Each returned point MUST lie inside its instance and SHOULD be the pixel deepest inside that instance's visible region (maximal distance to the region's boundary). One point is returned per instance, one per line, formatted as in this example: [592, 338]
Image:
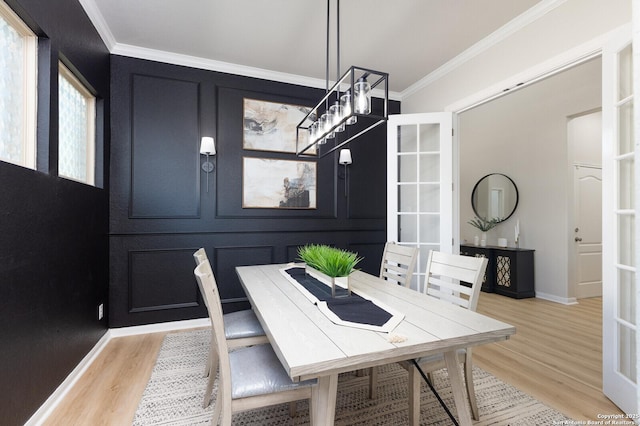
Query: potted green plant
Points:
[484, 225]
[329, 264]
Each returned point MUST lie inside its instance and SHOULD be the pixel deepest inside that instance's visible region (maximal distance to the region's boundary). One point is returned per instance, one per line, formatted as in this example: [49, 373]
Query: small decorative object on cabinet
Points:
[509, 271]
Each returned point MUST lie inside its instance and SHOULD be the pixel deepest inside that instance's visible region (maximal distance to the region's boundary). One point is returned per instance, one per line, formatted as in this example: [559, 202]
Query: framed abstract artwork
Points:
[278, 184]
[271, 126]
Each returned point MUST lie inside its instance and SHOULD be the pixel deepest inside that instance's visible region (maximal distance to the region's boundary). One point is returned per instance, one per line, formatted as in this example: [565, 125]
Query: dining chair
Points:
[397, 266]
[249, 377]
[455, 279]
[398, 263]
[241, 328]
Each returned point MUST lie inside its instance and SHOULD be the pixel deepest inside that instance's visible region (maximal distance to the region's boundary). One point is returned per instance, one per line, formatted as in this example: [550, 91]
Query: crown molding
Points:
[94, 14]
[225, 67]
[504, 32]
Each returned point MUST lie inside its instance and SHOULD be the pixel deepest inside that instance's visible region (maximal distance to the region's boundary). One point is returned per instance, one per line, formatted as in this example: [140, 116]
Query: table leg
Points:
[414, 394]
[457, 388]
[323, 401]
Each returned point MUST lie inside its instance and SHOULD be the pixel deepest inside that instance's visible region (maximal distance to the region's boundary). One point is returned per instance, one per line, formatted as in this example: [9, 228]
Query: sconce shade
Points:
[345, 156]
[207, 146]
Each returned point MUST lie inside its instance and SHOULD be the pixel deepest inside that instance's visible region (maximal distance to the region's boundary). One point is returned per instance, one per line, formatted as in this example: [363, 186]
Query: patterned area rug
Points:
[175, 392]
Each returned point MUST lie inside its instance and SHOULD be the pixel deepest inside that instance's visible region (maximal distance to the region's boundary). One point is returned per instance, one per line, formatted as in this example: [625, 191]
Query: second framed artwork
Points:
[278, 184]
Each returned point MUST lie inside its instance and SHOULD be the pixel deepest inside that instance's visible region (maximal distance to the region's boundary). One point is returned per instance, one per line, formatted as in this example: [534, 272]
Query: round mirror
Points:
[495, 196]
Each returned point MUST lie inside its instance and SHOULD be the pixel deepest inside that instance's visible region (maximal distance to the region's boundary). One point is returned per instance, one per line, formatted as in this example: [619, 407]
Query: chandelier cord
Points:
[338, 44]
[327, 64]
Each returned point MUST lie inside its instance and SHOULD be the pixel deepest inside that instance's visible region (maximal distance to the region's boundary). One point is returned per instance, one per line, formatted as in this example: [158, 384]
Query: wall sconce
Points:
[345, 159]
[207, 147]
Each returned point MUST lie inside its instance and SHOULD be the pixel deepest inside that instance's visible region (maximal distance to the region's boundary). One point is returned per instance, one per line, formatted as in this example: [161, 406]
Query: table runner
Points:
[353, 311]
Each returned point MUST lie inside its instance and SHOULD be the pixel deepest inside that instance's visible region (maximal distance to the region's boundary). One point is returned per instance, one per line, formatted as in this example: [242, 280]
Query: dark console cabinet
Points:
[509, 270]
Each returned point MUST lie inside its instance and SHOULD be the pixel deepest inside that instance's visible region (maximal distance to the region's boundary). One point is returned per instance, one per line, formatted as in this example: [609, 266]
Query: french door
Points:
[420, 184]
[618, 216]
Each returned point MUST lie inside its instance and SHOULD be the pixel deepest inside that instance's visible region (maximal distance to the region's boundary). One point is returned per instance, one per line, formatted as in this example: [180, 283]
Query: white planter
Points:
[336, 283]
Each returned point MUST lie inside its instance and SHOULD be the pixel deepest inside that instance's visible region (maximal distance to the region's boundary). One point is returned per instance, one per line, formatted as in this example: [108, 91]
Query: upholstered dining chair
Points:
[241, 328]
[398, 263]
[397, 266]
[249, 377]
[445, 277]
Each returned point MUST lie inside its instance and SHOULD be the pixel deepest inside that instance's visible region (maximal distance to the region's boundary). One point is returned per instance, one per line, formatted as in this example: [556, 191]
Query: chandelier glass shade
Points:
[348, 102]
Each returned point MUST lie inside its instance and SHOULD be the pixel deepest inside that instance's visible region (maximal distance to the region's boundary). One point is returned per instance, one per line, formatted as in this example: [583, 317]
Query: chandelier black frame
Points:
[348, 102]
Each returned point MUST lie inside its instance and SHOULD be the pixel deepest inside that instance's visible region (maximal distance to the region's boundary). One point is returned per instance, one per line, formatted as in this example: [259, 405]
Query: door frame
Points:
[557, 64]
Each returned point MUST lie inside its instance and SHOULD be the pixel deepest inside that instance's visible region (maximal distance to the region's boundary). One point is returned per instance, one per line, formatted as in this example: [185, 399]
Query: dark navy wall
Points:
[66, 247]
[160, 209]
[53, 232]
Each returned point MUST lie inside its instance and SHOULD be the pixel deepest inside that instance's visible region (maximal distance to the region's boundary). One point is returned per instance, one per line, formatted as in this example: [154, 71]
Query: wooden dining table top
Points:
[309, 345]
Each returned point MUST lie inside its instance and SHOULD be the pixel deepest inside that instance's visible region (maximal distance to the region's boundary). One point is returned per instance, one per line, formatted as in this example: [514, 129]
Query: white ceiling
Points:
[409, 39]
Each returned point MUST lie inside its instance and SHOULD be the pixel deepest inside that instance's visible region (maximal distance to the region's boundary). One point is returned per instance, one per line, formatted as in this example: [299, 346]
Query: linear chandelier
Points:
[345, 112]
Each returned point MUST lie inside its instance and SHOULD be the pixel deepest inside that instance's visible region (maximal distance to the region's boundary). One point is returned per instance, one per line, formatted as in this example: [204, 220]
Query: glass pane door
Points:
[419, 167]
[619, 233]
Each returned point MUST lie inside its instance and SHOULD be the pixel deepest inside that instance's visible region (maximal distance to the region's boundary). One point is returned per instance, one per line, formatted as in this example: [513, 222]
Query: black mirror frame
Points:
[473, 206]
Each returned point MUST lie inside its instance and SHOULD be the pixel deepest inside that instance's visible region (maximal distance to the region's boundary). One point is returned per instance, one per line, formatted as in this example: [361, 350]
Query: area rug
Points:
[176, 388]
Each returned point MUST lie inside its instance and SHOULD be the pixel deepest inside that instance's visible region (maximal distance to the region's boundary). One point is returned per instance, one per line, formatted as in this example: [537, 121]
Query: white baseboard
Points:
[39, 417]
[554, 298]
[54, 399]
[160, 327]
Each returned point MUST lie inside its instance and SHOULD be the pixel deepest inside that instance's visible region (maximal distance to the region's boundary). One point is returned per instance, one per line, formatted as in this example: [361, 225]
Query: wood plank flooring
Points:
[555, 356]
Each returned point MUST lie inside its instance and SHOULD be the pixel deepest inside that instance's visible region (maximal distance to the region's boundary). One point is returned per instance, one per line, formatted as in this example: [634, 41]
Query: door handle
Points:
[578, 239]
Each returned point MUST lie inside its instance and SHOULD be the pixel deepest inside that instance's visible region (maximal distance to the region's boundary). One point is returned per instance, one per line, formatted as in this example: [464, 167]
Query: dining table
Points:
[310, 345]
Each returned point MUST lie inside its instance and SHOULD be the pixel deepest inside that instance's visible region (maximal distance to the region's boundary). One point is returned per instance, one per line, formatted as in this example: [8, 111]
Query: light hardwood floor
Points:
[555, 356]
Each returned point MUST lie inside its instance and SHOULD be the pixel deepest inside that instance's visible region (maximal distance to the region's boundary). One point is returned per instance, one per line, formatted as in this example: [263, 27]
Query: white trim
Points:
[226, 67]
[557, 299]
[45, 410]
[558, 63]
[516, 24]
[94, 14]
[58, 395]
[159, 327]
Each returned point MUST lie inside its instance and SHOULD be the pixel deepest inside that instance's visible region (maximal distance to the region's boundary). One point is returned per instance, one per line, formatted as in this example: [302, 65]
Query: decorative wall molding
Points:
[99, 22]
[156, 280]
[196, 62]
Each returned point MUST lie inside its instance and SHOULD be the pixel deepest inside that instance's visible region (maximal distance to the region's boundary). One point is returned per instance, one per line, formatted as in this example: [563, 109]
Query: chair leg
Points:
[414, 394]
[207, 366]
[217, 410]
[373, 382]
[292, 408]
[468, 378]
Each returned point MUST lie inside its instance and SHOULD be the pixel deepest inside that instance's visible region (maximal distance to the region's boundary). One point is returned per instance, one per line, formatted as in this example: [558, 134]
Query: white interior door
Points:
[619, 326]
[420, 184]
[588, 231]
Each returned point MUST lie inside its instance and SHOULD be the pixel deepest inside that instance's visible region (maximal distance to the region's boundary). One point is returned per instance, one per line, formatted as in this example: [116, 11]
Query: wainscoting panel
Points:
[161, 212]
[165, 145]
[161, 280]
[224, 265]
